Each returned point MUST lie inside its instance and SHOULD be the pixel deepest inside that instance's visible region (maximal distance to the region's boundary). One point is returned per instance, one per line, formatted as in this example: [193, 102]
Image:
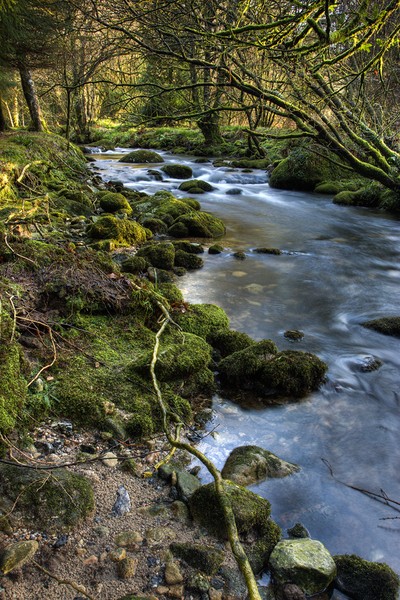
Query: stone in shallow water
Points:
[15, 555]
[248, 464]
[304, 562]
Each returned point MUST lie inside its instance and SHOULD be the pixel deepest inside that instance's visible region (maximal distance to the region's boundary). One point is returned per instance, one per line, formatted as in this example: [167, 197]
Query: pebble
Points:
[92, 560]
[122, 505]
[117, 555]
[128, 539]
[127, 568]
[173, 574]
[110, 459]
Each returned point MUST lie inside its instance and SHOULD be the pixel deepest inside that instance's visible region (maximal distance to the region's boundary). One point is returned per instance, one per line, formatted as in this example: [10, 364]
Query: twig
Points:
[76, 586]
[14, 319]
[16, 253]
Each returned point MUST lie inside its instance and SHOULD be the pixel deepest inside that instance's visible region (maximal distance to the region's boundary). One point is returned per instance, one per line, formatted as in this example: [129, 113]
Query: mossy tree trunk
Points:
[3, 122]
[209, 127]
[30, 95]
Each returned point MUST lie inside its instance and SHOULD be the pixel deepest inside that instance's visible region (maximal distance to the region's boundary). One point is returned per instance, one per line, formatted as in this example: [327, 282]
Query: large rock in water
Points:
[248, 464]
[365, 580]
[304, 562]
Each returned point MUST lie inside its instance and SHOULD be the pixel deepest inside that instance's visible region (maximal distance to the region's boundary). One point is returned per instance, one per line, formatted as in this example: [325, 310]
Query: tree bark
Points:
[3, 122]
[209, 127]
[30, 95]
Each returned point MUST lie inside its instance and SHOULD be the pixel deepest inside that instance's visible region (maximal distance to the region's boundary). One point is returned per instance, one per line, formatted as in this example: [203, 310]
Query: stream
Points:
[340, 266]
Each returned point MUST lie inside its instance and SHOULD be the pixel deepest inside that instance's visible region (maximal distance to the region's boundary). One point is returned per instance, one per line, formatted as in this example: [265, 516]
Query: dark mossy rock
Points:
[156, 175]
[385, 325]
[228, 341]
[14, 556]
[123, 232]
[267, 372]
[370, 196]
[156, 226]
[178, 171]
[135, 264]
[203, 320]
[160, 205]
[158, 276]
[199, 556]
[196, 186]
[303, 169]
[364, 580]
[197, 224]
[267, 251]
[249, 464]
[189, 247]
[161, 255]
[298, 531]
[233, 192]
[142, 156]
[215, 249]
[13, 386]
[249, 163]
[54, 501]
[192, 202]
[252, 515]
[294, 335]
[171, 292]
[187, 260]
[334, 187]
[239, 255]
[114, 202]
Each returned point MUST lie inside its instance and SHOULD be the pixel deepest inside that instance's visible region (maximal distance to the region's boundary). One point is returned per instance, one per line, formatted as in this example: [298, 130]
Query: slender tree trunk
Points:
[28, 88]
[3, 122]
[15, 112]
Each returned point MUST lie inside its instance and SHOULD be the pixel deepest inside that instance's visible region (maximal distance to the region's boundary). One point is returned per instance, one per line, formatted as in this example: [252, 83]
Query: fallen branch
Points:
[16, 253]
[76, 586]
[230, 523]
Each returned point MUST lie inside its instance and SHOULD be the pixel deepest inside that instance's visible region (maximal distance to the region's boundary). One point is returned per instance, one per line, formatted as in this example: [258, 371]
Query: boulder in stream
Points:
[178, 171]
[142, 156]
[248, 464]
[364, 580]
[385, 325]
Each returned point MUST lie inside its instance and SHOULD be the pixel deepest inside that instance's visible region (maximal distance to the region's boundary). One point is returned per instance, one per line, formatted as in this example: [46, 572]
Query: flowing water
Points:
[339, 267]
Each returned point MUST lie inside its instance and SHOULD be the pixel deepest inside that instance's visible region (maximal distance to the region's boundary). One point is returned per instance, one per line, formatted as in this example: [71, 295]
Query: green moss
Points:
[113, 202]
[385, 325]
[187, 260]
[161, 255]
[245, 163]
[177, 171]
[189, 247]
[171, 292]
[215, 249]
[228, 341]
[197, 224]
[123, 231]
[160, 205]
[142, 156]
[199, 556]
[263, 250]
[53, 500]
[364, 580]
[192, 202]
[196, 186]
[135, 264]
[156, 226]
[203, 320]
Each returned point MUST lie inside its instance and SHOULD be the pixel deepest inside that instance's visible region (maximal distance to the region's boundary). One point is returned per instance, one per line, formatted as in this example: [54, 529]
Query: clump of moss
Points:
[56, 500]
[215, 249]
[196, 186]
[263, 250]
[156, 226]
[178, 171]
[123, 232]
[203, 320]
[187, 260]
[135, 264]
[228, 341]
[261, 368]
[13, 386]
[161, 256]
[385, 325]
[364, 580]
[188, 247]
[114, 202]
[197, 224]
[171, 292]
[163, 205]
[142, 156]
[206, 558]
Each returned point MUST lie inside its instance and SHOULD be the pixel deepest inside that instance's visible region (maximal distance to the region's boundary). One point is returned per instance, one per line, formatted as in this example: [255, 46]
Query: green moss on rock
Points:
[142, 156]
[385, 325]
[199, 556]
[365, 580]
[187, 260]
[135, 264]
[161, 255]
[163, 205]
[228, 341]
[56, 500]
[171, 292]
[177, 171]
[196, 186]
[203, 320]
[114, 202]
[189, 247]
[123, 232]
[197, 224]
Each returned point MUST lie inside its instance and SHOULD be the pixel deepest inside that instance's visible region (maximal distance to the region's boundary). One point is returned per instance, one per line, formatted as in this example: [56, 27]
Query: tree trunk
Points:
[82, 117]
[209, 127]
[28, 88]
[3, 123]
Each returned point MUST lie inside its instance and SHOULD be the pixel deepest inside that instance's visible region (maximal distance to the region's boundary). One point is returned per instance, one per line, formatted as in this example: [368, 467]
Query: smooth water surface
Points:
[339, 267]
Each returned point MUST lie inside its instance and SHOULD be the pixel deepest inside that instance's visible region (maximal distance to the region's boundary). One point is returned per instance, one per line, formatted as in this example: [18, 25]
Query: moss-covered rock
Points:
[14, 556]
[135, 264]
[161, 205]
[196, 186]
[171, 292]
[156, 226]
[199, 556]
[248, 464]
[114, 202]
[203, 320]
[385, 325]
[228, 341]
[122, 232]
[178, 171]
[303, 169]
[187, 260]
[365, 580]
[266, 371]
[197, 224]
[252, 515]
[215, 249]
[53, 500]
[13, 386]
[304, 562]
[142, 156]
[189, 247]
[161, 255]
[372, 195]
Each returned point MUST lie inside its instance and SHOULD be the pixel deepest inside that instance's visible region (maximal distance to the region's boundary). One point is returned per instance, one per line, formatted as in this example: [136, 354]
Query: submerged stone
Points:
[304, 562]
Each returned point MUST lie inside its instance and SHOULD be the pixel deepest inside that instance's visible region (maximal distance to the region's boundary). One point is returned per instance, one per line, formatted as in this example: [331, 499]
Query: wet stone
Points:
[122, 504]
[127, 568]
